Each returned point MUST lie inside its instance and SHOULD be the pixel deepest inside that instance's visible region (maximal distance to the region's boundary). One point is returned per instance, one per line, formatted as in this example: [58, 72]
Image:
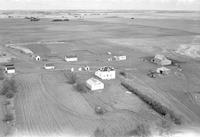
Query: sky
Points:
[100, 4]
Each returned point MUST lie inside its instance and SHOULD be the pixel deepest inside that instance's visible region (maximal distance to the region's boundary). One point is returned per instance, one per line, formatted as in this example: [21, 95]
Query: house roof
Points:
[106, 68]
[49, 64]
[10, 68]
[71, 56]
[9, 65]
[94, 81]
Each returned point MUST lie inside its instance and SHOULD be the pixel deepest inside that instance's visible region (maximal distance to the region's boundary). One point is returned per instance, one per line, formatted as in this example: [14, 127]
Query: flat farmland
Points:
[48, 106]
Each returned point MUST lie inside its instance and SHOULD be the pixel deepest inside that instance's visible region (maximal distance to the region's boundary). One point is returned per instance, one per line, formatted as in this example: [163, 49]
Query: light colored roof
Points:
[94, 81]
[159, 56]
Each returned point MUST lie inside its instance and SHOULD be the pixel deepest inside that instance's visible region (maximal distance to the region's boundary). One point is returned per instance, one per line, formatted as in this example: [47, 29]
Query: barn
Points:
[161, 60]
[94, 84]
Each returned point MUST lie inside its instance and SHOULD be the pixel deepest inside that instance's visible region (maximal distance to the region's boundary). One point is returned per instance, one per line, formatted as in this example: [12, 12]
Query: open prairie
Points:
[46, 105]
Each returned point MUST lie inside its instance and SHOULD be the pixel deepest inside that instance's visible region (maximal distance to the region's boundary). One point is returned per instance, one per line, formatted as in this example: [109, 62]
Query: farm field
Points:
[47, 105]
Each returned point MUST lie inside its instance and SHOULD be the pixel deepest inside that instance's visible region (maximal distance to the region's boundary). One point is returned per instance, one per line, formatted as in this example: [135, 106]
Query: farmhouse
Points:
[94, 84]
[105, 73]
[9, 68]
[71, 58]
[161, 60]
[163, 70]
[49, 66]
[119, 58]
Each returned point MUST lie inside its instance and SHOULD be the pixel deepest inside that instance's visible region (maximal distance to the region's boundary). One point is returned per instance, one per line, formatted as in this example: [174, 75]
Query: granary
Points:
[71, 58]
[94, 84]
[161, 60]
[119, 58]
[106, 73]
[49, 66]
[163, 70]
[9, 68]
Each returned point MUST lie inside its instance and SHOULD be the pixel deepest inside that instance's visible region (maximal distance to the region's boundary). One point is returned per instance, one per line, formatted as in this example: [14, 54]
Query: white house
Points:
[49, 66]
[37, 58]
[106, 73]
[163, 70]
[119, 58]
[10, 70]
[94, 84]
[161, 60]
[71, 58]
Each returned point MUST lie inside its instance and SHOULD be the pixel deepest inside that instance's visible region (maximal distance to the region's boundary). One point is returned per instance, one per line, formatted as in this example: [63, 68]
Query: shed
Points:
[71, 58]
[10, 69]
[49, 66]
[120, 57]
[163, 70]
[37, 58]
[94, 84]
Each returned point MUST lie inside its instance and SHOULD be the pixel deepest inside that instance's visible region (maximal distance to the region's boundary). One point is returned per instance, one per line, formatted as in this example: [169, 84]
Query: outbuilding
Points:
[163, 70]
[119, 58]
[161, 60]
[37, 58]
[106, 73]
[94, 84]
[10, 70]
[49, 66]
[71, 58]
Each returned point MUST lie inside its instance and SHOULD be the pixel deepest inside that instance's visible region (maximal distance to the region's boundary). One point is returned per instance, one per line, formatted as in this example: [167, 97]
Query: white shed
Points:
[94, 84]
[119, 58]
[106, 73]
[37, 58]
[71, 58]
[10, 70]
[163, 70]
[49, 66]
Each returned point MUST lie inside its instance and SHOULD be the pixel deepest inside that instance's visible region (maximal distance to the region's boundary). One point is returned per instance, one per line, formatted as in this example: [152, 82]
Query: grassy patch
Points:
[156, 106]
[9, 88]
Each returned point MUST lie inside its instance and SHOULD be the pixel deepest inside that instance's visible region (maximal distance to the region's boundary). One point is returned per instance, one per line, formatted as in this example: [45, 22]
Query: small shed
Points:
[86, 68]
[10, 70]
[49, 66]
[94, 84]
[120, 57]
[37, 58]
[163, 70]
[71, 58]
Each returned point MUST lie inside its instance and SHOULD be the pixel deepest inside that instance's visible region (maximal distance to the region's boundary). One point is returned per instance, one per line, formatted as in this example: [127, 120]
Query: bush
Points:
[141, 131]
[9, 88]
[9, 94]
[72, 78]
[8, 118]
[156, 106]
[81, 87]
[99, 133]
[124, 74]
